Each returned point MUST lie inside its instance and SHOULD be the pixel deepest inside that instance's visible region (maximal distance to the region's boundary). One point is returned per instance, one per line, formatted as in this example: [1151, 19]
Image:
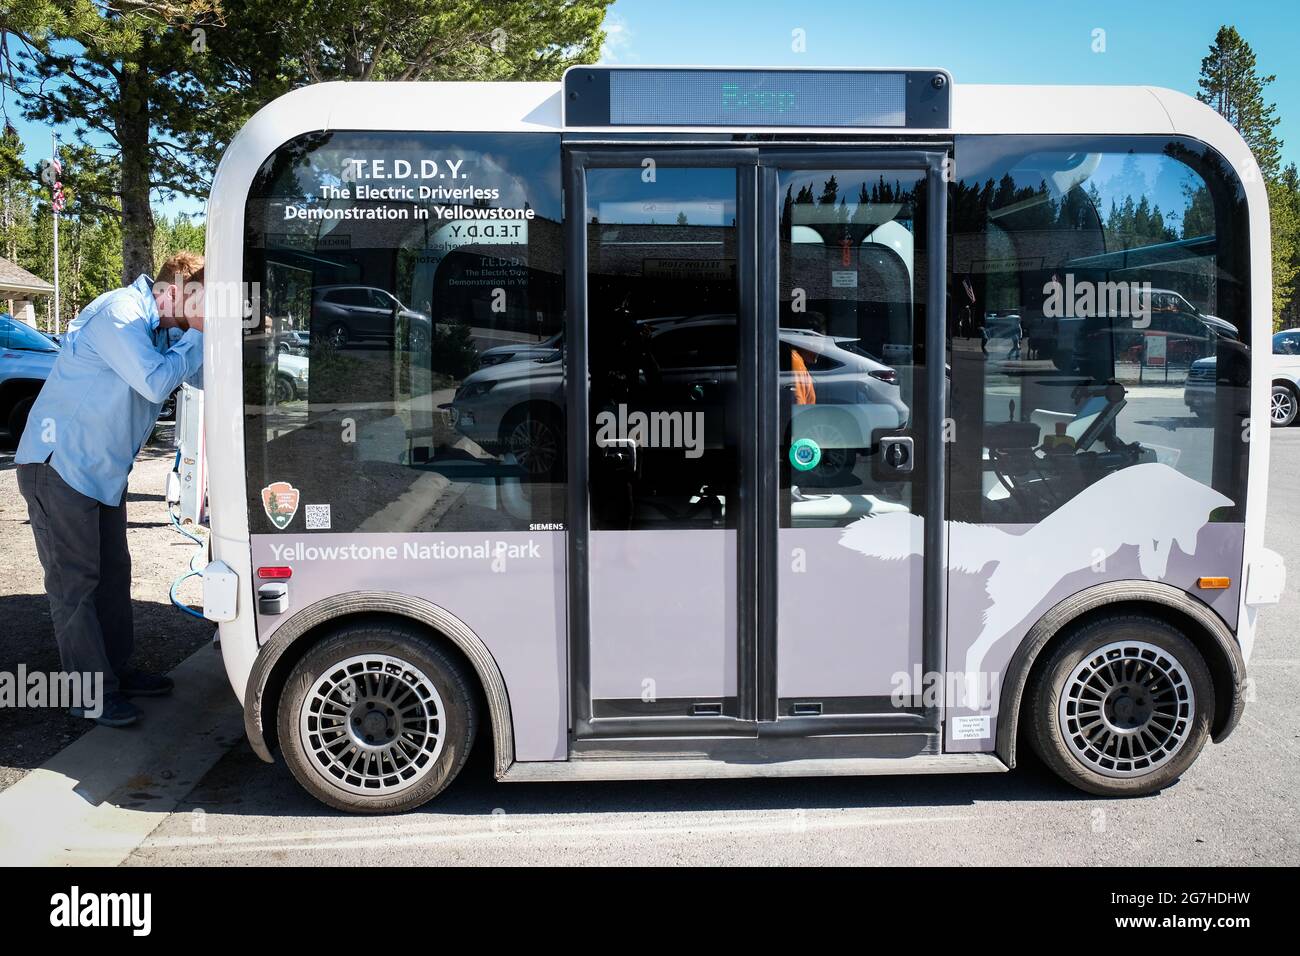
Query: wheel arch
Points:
[315, 622]
[515, 413]
[1202, 626]
[1287, 382]
[13, 390]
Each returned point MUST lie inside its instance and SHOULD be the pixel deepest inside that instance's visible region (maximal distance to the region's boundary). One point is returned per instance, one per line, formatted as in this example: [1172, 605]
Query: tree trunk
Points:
[133, 136]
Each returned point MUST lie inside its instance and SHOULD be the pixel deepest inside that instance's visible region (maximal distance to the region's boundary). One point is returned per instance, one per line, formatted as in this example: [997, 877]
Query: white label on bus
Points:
[971, 728]
[844, 280]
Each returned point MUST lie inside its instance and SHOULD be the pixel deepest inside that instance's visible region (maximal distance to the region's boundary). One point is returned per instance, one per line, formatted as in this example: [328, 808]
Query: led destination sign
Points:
[869, 99]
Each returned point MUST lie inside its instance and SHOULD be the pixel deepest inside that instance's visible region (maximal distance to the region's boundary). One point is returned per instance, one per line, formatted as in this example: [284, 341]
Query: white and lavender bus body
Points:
[705, 422]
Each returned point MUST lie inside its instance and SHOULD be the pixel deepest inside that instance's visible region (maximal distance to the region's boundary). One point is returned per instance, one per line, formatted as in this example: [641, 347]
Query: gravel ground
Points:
[164, 636]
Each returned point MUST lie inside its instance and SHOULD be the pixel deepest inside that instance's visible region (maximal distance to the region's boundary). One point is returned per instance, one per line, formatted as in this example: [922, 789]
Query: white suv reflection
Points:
[517, 405]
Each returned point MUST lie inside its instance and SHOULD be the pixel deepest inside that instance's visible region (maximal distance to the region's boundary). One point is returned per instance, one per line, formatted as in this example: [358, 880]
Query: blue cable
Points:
[193, 571]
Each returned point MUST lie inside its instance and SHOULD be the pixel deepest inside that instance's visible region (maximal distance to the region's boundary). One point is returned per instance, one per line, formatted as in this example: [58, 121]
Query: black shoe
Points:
[116, 712]
[138, 683]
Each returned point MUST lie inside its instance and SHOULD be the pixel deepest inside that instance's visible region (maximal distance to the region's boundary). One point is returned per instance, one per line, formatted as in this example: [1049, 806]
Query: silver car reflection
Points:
[516, 406]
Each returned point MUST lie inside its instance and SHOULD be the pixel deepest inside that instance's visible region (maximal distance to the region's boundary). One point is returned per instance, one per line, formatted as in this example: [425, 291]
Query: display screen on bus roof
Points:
[871, 99]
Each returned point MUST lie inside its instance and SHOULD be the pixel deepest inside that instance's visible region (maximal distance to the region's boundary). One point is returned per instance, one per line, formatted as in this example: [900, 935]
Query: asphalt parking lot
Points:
[1236, 806]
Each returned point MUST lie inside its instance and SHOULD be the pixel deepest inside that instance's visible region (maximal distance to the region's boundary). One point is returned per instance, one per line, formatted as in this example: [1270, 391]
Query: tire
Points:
[17, 419]
[435, 689]
[1140, 655]
[1282, 406]
[337, 335]
[285, 391]
[833, 435]
[418, 339]
[534, 434]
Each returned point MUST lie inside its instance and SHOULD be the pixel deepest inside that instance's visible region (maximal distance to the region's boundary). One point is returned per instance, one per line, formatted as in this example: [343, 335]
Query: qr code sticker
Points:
[318, 517]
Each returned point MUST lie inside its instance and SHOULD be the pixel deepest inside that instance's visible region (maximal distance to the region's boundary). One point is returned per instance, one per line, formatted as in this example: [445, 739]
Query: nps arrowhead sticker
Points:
[280, 499]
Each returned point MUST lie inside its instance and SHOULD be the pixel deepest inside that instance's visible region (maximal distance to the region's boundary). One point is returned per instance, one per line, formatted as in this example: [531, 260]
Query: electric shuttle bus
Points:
[706, 422]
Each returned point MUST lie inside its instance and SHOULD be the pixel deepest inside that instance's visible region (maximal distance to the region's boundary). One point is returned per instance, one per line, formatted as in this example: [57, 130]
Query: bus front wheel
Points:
[376, 718]
[1122, 706]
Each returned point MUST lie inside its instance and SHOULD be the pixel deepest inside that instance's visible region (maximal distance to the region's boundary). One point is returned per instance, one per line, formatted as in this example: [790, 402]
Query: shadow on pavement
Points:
[241, 784]
[29, 736]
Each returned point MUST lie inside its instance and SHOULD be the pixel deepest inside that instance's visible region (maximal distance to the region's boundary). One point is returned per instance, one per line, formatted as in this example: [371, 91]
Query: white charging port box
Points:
[220, 592]
[1265, 578]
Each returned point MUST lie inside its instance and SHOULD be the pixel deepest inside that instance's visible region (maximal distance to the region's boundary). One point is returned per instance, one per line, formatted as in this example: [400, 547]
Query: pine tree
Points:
[1229, 83]
[17, 192]
[1284, 210]
[124, 75]
[168, 82]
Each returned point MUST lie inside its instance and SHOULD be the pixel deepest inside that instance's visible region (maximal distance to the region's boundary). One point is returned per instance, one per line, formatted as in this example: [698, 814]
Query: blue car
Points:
[26, 357]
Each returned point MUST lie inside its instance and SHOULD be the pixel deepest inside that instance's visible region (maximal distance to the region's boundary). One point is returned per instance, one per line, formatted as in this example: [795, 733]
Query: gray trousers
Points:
[82, 546]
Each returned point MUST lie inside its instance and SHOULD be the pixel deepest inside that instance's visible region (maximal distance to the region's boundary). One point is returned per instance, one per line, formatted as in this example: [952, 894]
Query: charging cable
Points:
[201, 545]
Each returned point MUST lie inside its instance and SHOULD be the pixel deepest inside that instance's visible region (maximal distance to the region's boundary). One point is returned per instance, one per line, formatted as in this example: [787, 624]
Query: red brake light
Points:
[276, 573]
[887, 375]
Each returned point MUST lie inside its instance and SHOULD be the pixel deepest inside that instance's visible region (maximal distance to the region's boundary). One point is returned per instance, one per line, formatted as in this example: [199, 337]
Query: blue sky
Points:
[995, 41]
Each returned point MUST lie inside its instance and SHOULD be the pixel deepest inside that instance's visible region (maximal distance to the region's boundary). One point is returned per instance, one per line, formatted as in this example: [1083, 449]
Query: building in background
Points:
[18, 290]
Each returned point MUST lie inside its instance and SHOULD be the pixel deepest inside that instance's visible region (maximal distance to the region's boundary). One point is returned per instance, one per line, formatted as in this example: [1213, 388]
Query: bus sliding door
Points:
[662, 325]
[851, 395]
[756, 530]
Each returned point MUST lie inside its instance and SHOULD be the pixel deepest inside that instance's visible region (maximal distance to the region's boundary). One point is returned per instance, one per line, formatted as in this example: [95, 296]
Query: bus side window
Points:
[407, 358]
[1123, 286]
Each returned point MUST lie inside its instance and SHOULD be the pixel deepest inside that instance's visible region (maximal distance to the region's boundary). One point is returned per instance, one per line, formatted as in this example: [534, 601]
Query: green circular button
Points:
[805, 454]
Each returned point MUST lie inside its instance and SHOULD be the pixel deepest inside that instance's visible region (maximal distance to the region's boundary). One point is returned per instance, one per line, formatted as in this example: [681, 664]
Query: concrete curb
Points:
[96, 800]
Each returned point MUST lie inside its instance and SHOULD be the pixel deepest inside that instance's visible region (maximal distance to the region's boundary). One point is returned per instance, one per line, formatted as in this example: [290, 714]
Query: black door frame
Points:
[931, 446]
[578, 377]
[757, 222]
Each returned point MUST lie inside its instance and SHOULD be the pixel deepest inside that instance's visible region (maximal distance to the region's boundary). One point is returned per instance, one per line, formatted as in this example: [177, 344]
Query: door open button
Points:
[896, 452]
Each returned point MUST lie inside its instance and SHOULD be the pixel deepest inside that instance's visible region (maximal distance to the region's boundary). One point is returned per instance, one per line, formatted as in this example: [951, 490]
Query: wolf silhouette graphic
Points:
[1149, 506]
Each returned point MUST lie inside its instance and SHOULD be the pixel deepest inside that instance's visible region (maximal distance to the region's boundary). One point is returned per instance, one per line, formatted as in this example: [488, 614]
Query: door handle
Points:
[621, 455]
[897, 454]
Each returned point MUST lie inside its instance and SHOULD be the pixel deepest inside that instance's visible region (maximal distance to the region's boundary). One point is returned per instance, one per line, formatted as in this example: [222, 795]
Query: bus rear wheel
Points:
[376, 718]
[1122, 706]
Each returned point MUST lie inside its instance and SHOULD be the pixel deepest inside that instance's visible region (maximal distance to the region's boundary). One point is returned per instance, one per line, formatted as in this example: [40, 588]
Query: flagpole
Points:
[54, 155]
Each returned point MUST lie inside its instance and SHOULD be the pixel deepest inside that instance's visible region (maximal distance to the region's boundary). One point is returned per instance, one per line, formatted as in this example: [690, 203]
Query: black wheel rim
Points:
[1127, 709]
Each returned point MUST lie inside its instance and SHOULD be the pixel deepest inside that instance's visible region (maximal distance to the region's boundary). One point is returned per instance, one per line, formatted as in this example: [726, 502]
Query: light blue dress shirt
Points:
[99, 405]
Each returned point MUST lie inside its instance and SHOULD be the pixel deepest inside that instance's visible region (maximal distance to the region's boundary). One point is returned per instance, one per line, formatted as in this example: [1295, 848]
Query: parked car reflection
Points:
[350, 314]
[524, 350]
[291, 378]
[516, 405]
[293, 341]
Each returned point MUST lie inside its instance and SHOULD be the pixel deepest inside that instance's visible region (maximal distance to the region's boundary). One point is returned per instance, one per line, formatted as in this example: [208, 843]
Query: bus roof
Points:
[536, 107]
